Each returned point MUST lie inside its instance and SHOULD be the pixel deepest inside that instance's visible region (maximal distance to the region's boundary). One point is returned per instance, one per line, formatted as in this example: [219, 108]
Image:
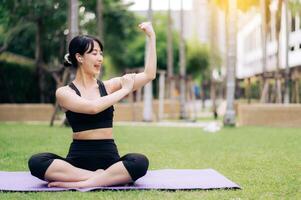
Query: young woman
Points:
[93, 158]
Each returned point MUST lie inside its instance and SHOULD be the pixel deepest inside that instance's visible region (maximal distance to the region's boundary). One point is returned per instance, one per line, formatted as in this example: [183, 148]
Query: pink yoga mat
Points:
[166, 179]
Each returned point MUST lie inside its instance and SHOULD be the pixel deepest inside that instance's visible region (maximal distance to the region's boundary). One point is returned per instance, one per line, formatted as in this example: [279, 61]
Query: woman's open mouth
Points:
[97, 67]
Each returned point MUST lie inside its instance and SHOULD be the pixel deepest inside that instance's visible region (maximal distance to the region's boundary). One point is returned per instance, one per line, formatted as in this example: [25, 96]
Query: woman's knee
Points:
[39, 163]
[136, 164]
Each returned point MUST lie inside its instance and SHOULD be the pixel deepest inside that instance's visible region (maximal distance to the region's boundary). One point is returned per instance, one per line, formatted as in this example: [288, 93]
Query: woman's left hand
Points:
[147, 28]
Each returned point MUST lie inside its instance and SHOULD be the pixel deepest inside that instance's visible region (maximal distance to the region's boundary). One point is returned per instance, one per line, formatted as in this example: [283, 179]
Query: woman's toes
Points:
[53, 184]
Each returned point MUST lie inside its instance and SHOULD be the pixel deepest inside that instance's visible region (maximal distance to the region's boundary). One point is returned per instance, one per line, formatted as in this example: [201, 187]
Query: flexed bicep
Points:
[141, 79]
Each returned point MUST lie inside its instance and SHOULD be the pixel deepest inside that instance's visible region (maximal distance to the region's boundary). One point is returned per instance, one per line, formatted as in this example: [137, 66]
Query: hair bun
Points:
[67, 62]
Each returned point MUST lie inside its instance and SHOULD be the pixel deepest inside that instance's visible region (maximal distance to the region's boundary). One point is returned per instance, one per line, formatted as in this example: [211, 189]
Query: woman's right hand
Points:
[127, 82]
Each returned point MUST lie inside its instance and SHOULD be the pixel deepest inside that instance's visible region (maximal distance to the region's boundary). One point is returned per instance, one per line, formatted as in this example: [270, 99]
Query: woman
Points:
[93, 158]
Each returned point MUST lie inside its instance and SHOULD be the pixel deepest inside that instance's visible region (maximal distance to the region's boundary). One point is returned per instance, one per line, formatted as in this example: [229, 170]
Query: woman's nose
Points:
[100, 58]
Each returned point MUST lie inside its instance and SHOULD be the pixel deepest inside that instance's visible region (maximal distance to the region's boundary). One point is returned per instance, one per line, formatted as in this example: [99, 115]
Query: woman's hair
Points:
[80, 44]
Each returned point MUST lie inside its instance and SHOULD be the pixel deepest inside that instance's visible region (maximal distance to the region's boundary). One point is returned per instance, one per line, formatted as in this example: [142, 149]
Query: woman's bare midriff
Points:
[95, 134]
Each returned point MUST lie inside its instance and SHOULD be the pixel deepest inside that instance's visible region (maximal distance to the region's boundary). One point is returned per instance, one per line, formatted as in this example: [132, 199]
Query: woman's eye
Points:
[95, 53]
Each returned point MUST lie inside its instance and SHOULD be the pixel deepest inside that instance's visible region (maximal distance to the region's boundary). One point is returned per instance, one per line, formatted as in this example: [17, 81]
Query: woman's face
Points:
[92, 62]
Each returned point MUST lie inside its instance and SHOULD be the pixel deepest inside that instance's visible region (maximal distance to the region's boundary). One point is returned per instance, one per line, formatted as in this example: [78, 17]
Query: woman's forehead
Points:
[96, 46]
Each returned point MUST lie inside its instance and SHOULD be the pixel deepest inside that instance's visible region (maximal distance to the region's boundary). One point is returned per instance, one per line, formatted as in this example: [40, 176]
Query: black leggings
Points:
[91, 155]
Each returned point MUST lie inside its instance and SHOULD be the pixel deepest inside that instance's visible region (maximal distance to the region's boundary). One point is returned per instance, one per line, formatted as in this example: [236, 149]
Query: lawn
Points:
[265, 162]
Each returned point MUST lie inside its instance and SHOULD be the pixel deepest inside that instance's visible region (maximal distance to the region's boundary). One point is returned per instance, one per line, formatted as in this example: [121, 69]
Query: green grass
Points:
[265, 162]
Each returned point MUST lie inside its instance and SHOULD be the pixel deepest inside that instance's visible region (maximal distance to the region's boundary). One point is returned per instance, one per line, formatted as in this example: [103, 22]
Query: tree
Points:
[119, 30]
[198, 64]
[287, 69]
[37, 16]
[99, 14]
[229, 118]
[263, 6]
[293, 6]
[170, 63]
[135, 49]
[214, 64]
[182, 65]
[72, 27]
[148, 94]
[230, 7]
[197, 60]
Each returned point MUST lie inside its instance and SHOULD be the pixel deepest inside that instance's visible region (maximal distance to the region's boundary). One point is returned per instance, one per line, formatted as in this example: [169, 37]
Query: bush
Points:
[19, 84]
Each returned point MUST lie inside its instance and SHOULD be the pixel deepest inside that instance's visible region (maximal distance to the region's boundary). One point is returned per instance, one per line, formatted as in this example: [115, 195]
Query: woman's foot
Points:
[74, 184]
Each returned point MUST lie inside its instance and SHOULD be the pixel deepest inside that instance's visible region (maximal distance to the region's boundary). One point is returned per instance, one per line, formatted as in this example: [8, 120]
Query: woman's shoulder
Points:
[63, 91]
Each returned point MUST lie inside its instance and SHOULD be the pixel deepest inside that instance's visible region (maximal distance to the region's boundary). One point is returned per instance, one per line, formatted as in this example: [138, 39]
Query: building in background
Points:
[249, 52]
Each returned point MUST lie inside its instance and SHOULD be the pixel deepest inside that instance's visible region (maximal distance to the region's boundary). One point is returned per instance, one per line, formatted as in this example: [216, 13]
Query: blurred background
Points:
[235, 61]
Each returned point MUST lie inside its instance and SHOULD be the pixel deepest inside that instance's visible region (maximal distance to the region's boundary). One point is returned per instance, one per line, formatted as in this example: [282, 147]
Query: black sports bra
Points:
[82, 122]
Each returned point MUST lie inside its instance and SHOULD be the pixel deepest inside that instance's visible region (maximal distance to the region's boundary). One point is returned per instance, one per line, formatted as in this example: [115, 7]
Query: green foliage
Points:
[255, 90]
[123, 41]
[198, 60]
[120, 29]
[135, 52]
[16, 59]
[24, 39]
[136, 48]
[160, 25]
[295, 7]
[18, 84]
[3, 24]
[50, 15]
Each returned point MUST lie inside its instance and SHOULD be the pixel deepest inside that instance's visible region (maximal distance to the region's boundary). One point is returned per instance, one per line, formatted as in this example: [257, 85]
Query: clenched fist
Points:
[147, 28]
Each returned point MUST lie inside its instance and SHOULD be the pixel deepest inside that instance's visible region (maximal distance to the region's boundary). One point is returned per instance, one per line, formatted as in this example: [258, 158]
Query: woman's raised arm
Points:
[150, 68]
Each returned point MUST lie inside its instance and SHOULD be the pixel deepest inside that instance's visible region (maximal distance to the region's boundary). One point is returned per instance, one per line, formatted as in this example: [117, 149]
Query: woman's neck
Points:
[86, 80]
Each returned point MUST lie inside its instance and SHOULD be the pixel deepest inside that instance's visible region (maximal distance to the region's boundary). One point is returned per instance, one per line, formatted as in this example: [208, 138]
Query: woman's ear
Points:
[78, 57]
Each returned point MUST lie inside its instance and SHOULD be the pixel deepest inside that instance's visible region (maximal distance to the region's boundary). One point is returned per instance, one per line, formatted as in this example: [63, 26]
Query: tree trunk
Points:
[297, 91]
[248, 90]
[38, 62]
[99, 14]
[161, 95]
[277, 74]
[100, 28]
[213, 97]
[148, 88]
[264, 49]
[171, 82]
[203, 94]
[73, 31]
[60, 81]
[73, 27]
[229, 118]
[287, 69]
[73, 20]
[265, 91]
[213, 47]
[182, 66]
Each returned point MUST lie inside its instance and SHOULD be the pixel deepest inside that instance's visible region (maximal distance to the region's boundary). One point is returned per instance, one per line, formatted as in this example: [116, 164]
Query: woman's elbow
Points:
[152, 77]
[92, 109]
